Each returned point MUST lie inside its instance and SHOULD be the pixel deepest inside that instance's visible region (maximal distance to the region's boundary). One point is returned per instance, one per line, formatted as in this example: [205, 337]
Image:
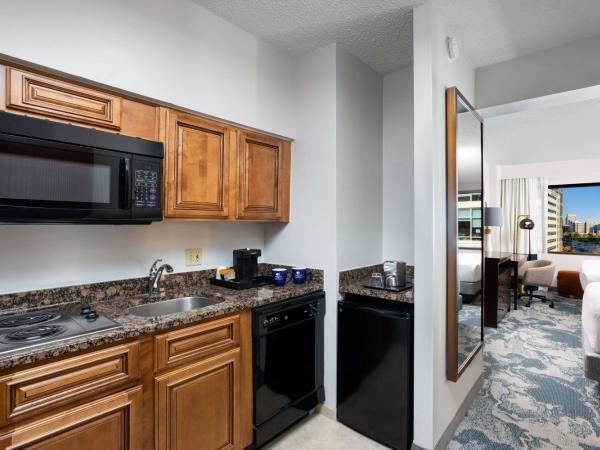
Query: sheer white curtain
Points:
[524, 196]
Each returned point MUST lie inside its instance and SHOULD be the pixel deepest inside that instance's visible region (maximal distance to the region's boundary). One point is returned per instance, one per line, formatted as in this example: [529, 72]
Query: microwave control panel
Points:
[146, 185]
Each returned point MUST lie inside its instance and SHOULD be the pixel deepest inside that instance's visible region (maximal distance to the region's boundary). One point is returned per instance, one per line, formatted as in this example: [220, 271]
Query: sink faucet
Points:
[155, 274]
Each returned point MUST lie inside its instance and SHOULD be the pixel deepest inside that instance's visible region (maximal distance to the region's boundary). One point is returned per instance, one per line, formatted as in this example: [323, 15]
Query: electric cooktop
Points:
[31, 329]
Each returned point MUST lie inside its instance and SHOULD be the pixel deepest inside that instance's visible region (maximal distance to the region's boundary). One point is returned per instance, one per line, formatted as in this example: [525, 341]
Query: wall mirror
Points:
[465, 246]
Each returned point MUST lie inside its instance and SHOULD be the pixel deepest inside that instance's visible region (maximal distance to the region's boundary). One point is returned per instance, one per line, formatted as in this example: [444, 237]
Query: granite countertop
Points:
[135, 326]
[351, 282]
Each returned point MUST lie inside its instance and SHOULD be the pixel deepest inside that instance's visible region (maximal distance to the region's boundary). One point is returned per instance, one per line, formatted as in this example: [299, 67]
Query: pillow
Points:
[590, 272]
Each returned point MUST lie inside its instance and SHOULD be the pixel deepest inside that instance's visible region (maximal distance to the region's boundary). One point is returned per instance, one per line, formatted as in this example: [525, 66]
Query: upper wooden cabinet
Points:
[216, 171]
[39, 94]
[212, 169]
[264, 177]
[66, 101]
[198, 154]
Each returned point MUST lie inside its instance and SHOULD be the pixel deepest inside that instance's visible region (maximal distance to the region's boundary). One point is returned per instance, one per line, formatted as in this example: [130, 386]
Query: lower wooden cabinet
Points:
[198, 407]
[112, 423]
[183, 389]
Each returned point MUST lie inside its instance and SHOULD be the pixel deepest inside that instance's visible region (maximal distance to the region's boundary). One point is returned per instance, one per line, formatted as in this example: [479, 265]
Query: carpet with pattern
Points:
[535, 395]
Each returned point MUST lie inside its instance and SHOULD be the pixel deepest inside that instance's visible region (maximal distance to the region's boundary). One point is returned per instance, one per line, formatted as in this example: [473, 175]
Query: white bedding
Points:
[469, 266]
[590, 316]
[590, 272]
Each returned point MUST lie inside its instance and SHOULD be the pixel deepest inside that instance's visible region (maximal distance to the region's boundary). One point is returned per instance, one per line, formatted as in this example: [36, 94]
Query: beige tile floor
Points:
[319, 432]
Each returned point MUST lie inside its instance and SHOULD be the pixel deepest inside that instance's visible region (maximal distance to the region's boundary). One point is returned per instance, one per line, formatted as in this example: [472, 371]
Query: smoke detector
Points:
[452, 48]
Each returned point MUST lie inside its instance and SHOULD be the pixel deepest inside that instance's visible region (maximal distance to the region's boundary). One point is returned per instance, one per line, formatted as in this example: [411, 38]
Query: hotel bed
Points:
[469, 274]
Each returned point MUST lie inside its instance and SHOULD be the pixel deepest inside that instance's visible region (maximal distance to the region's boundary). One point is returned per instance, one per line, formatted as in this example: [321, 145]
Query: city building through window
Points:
[574, 219]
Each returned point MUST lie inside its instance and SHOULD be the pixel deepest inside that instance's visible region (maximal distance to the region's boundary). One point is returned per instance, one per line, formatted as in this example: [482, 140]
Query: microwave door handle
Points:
[125, 184]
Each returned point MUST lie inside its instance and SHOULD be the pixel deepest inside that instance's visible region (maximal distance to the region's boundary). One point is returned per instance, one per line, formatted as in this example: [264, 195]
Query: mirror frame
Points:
[453, 370]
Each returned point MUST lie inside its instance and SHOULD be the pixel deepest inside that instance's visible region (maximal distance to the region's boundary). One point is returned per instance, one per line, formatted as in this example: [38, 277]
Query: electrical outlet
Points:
[193, 256]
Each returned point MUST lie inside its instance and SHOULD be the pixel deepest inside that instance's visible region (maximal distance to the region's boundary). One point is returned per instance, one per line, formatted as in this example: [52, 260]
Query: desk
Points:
[501, 275]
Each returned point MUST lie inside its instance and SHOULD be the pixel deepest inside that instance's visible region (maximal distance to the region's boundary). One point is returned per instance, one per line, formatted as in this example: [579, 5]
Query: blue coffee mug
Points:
[279, 276]
[301, 275]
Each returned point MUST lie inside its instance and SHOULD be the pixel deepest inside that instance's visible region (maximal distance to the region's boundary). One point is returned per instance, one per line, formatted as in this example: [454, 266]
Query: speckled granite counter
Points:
[112, 299]
[351, 282]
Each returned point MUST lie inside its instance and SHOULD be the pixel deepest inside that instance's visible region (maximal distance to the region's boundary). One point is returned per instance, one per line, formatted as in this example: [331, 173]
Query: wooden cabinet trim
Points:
[192, 343]
[127, 404]
[35, 93]
[44, 387]
[166, 409]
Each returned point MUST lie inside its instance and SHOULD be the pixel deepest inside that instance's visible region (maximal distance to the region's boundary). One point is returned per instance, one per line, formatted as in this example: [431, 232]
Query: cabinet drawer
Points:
[199, 341]
[47, 386]
[38, 94]
[113, 422]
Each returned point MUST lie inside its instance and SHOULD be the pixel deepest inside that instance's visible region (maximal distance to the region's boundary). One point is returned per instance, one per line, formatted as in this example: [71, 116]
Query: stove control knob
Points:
[266, 323]
[91, 315]
[85, 310]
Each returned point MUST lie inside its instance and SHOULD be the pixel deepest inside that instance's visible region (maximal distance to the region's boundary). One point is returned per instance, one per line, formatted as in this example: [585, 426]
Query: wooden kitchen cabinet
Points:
[263, 185]
[28, 92]
[198, 155]
[199, 406]
[111, 423]
[216, 171]
[205, 404]
[186, 388]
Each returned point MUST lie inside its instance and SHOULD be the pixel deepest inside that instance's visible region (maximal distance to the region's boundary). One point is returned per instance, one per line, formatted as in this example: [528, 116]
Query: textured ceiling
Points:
[491, 31]
[379, 32]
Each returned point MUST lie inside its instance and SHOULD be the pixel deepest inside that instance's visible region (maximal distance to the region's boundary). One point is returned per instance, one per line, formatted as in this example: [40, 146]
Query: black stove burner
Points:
[34, 333]
[31, 318]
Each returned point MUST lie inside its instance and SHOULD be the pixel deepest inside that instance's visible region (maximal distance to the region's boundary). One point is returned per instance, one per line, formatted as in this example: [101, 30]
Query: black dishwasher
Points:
[288, 363]
[375, 369]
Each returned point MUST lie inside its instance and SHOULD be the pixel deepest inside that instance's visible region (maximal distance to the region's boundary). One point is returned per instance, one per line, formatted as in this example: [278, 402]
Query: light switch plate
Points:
[193, 257]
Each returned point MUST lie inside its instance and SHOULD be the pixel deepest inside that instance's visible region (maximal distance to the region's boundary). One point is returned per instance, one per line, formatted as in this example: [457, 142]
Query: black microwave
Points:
[59, 173]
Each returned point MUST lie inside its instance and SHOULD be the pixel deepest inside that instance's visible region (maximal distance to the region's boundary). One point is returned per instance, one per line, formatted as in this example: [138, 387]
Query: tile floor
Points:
[319, 432]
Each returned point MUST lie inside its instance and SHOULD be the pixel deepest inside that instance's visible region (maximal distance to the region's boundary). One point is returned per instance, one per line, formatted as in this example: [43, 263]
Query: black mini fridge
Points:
[375, 369]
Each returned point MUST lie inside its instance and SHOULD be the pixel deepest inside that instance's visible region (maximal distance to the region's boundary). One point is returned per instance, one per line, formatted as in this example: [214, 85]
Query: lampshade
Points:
[526, 224]
[493, 217]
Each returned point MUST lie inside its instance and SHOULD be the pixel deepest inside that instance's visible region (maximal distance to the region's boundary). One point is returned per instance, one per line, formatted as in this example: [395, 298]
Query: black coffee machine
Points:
[245, 264]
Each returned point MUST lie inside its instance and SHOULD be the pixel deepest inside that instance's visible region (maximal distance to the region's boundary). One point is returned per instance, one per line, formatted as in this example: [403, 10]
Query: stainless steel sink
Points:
[177, 305]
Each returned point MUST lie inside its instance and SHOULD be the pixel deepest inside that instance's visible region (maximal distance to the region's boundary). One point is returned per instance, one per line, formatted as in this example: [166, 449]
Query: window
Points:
[470, 222]
[574, 219]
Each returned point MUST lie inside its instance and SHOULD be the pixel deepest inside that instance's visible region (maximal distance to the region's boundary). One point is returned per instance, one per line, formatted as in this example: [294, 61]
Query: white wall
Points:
[45, 256]
[556, 133]
[174, 51]
[359, 164]
[310, 237]
[572, 66]
[398, 170]
[437, 400]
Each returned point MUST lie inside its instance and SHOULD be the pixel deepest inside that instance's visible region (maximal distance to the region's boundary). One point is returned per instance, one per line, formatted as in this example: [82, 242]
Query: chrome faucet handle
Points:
[154, 267]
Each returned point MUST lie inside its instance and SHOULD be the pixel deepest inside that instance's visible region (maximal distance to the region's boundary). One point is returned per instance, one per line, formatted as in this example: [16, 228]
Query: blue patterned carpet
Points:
[534, 394]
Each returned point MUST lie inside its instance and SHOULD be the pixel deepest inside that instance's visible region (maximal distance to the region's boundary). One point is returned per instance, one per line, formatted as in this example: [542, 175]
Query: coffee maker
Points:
[245, 263]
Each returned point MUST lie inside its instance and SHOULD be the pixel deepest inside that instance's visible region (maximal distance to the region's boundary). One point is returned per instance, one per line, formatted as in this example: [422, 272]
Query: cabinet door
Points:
[197, 165]
[264, 178]
[33, 93]
[112, 423]
[199, 407]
